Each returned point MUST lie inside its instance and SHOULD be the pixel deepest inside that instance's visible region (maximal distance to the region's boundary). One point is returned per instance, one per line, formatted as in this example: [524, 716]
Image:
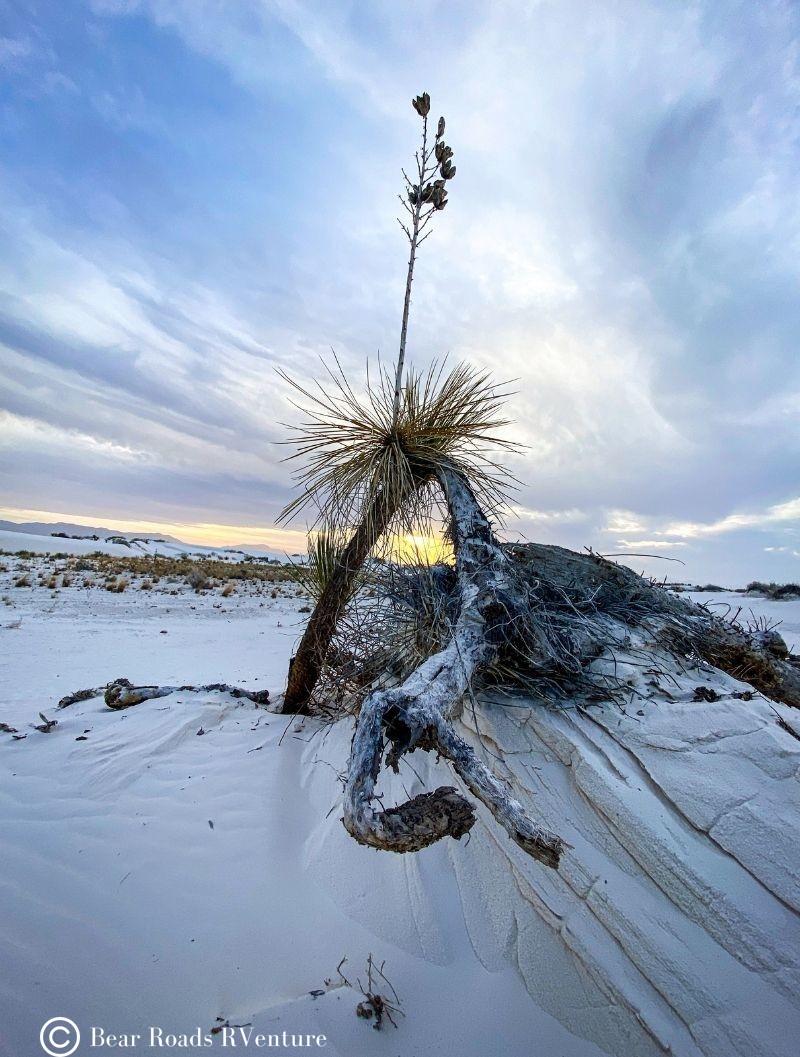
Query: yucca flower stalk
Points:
[367, 460]
[425, 197]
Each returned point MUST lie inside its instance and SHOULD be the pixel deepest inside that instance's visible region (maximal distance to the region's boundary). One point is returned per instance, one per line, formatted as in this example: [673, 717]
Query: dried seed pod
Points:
[440, 128]
[422, 104]
[448, 170]
[427, 192]
[443, 152]
[413, 194]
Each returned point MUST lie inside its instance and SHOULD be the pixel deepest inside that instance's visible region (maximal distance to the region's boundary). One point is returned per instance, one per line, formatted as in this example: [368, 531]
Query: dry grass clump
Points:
[176, 570]
[140, 570]
[117, 585]
[228, 590]
[197, 580]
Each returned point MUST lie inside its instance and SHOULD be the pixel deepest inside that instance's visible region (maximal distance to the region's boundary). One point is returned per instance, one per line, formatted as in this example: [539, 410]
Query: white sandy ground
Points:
[672, 926]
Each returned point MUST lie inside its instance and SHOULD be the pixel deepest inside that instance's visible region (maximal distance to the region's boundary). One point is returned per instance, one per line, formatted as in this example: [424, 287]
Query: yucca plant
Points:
[368, 460]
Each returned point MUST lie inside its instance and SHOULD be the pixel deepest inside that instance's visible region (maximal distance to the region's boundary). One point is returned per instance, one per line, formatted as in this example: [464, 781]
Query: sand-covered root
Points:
[541, 616]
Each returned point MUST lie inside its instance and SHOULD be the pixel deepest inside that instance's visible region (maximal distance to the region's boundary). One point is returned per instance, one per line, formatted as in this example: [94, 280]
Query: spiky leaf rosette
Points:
[325, 549]
[353, 452]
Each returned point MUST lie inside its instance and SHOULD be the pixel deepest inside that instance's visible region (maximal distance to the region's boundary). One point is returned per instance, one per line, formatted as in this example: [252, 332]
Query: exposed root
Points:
[81, 695]
[121, 693]
[762, 661]
[418, 714]
[526, 613]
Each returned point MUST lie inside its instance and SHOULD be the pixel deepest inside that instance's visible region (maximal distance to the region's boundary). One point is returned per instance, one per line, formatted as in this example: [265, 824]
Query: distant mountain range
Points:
[70, 529]
[41, 528]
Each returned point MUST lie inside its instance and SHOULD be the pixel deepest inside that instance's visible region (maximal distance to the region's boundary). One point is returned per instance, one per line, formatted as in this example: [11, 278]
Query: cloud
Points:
[203, 193]
[13, 49]
[657, 544]
[788, 512]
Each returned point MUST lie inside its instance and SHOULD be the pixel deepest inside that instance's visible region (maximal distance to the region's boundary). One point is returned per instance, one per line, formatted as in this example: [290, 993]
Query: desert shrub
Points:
[710, 587]
[52, 583]
[773, 590]
[228, 590]
[785, 590]
[145, 585]
[23, 581]
[197, 580]
[66, 580]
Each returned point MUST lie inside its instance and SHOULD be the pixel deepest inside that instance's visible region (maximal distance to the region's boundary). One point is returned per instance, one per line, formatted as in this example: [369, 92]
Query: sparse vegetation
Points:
[772, 590]
[152, 570]
[197, 580]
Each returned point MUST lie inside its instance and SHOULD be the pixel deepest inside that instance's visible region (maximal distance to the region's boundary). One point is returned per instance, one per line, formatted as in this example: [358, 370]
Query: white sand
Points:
[672, 924]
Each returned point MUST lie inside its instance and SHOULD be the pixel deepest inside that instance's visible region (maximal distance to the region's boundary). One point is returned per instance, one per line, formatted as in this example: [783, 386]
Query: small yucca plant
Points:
[325, 550]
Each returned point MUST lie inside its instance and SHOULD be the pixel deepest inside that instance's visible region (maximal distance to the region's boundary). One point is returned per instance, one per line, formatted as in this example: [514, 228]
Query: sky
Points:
[196, 193]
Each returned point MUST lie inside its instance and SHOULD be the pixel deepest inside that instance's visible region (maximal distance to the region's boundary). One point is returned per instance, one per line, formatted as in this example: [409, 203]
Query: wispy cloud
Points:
[657, 544]
[780, 513]
[193, 193]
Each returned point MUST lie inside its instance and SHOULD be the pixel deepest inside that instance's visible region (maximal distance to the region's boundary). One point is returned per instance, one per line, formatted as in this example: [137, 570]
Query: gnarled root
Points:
[431, 816]
[121, 693]
[419, 713]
